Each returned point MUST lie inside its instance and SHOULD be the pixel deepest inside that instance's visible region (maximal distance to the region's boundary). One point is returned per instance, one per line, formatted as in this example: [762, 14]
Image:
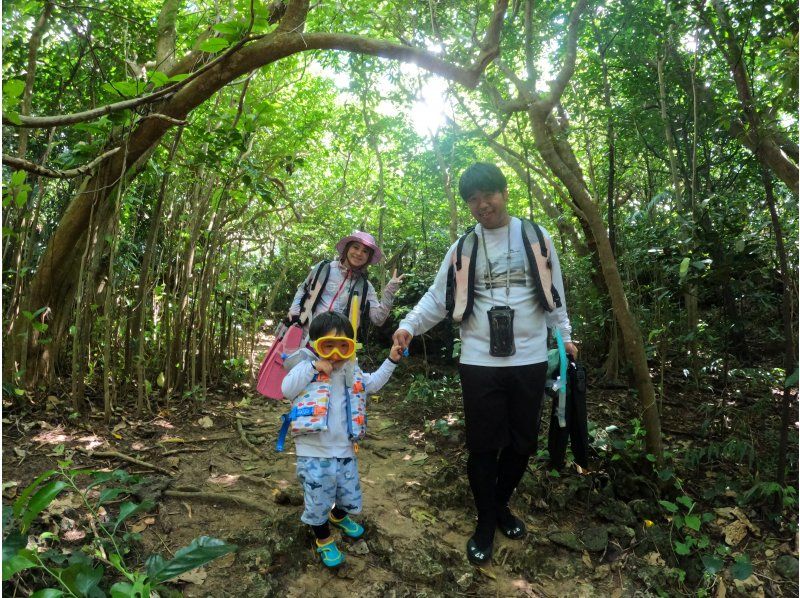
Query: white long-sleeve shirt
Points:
[378, 310]
[334, 441]
[530, 320]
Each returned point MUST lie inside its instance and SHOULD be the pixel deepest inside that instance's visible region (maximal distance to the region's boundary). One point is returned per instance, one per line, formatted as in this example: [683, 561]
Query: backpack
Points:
[315, 284]
[460, 291]
[576, 428]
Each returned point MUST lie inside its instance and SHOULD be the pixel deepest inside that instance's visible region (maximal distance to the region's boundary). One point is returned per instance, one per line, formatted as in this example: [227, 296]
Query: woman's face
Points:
[357, 255]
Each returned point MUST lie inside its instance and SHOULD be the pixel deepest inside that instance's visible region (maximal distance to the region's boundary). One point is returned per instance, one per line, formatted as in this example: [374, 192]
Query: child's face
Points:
[335, 346]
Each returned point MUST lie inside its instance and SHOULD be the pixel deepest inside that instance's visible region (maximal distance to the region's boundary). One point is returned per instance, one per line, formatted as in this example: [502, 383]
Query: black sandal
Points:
[514, 528]
[475, 555]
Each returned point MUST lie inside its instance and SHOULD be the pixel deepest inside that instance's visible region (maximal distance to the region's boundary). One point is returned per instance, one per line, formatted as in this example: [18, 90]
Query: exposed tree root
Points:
[123, 457]
[253, 448]
[222, 497]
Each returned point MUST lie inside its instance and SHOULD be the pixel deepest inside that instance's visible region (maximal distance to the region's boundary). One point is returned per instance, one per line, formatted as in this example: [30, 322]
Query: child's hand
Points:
[323, 366]
[396, 354]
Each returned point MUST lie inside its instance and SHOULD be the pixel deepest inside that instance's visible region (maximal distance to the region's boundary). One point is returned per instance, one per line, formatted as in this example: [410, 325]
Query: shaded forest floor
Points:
[593, 534]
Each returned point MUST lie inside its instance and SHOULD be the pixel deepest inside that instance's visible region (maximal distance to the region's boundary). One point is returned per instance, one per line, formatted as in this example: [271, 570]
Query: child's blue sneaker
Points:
[329, 553]
[349, 528]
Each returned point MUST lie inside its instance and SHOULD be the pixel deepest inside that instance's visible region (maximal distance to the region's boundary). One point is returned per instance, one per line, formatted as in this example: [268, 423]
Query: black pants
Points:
[502, 412]
[503, 406]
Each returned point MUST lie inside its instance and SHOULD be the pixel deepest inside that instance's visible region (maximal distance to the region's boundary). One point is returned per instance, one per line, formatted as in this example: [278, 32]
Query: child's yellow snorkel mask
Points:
[335, 348]
[340, 348]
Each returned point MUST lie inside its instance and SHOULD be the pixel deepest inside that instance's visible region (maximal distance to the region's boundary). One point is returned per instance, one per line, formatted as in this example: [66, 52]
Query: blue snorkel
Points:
[562, 379]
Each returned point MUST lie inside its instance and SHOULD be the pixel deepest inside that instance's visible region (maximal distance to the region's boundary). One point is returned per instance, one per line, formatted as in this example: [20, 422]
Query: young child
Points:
[328, 418]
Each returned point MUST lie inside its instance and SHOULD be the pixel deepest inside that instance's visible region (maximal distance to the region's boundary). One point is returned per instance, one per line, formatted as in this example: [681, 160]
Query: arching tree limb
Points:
[20, 164]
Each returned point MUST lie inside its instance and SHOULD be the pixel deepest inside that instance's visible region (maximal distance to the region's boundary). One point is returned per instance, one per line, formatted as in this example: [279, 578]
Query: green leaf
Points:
[685, 501]
[21, 198]
[742, 568]
[157, 78]
[229, 27]
[214, 45]
[22, 499]
[682, 548]
[650, 457]
[665, 474]
[131, 508]
[39, 502]
[693, 522]
[198, 553]
[47, 593]
[110, 494]
[13, 117]
[126, 88]
[18, 178]
[669, 506]
[13, 88]
[178, 78]
[711, 563]
[21, 560]
[81, 577]
[122, 589]
[684, 268]
[791, 381]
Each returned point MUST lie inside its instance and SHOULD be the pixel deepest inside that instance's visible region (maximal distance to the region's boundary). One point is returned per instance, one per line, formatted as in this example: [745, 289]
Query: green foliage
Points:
[84, 574]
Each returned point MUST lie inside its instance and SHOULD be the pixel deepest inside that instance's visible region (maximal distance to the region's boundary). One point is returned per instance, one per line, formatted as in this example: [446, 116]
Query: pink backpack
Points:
[271, 373]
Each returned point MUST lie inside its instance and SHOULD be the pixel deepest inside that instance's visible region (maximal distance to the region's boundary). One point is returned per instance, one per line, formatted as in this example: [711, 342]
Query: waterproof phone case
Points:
[501, 331]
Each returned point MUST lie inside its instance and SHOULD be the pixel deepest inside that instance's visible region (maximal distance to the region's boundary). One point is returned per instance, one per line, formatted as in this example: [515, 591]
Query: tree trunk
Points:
[144, 278]
[30, 76]
[566, 168]
[789, 344]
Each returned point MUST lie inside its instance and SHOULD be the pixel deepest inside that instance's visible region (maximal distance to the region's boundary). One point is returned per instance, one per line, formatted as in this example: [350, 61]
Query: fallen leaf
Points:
[74, 535]
[487, 572]
[205, 422]
[422, 516]
[735, 532]
[195, 576]
[223, 479]
[142, 524]
[587, 560]
[10, 489]
[20, 453]
[654, 559]
[721, 590]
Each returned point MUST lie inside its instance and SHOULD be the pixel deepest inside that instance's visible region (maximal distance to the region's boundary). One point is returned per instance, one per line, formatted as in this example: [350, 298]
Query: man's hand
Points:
[402, 338]
[323, 366]
[572, 349]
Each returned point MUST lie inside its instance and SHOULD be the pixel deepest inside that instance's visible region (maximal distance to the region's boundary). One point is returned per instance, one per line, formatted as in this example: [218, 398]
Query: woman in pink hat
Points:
[333, 285]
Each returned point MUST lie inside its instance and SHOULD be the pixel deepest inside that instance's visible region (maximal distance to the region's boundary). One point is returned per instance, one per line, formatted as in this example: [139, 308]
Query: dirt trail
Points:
[417, 512]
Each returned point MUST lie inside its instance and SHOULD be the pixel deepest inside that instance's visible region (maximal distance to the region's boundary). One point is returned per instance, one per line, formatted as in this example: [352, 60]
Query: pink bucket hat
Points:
[365, 239]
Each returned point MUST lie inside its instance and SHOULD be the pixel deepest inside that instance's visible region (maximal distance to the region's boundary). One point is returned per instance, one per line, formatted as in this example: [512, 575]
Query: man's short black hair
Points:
[481, 176]
[330, 321]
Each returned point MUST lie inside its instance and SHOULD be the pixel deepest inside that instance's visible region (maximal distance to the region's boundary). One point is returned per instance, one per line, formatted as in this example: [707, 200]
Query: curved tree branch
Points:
[20, 164]
[280, 44]
[568, 68]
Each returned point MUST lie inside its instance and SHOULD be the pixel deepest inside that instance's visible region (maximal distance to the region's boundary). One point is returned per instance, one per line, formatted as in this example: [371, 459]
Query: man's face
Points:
[489, 208]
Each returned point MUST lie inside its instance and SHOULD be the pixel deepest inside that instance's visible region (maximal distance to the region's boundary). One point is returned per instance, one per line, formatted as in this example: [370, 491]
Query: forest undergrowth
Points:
[702, 524]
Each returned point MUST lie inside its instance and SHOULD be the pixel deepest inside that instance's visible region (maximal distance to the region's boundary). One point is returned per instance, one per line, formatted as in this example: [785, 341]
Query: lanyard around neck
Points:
[489, 264]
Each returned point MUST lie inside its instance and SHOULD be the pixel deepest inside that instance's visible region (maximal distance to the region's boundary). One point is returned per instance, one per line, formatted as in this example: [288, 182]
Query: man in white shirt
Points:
[503, 346]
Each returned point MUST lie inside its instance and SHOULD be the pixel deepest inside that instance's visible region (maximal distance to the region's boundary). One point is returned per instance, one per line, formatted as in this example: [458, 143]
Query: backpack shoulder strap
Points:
[460, 292]
[315, 283]
[537, 250]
